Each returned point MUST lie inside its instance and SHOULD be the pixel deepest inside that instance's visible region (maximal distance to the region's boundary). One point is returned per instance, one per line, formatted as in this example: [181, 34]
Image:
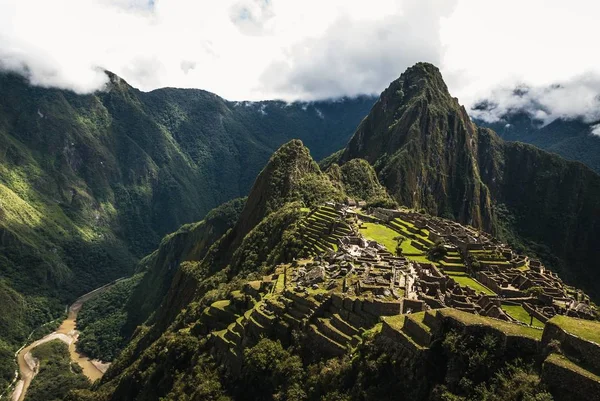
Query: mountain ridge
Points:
[91, 183]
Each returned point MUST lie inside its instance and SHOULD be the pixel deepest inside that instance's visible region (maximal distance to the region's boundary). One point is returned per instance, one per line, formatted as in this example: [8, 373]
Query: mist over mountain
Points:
[573, 139]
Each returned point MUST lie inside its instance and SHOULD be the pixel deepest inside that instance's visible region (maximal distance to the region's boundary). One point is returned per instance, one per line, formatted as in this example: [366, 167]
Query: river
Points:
[67, 333]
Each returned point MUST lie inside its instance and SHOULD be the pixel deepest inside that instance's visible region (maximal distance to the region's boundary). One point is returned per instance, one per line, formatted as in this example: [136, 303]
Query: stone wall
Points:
[585, 351]
[533, 312]
[567, 383]
[412, 304]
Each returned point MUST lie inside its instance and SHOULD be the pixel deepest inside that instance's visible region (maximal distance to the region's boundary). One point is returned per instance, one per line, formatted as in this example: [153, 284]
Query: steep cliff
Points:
[424, 148]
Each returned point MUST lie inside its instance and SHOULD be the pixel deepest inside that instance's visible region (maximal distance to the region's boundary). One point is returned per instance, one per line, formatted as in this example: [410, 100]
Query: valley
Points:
[67, 333]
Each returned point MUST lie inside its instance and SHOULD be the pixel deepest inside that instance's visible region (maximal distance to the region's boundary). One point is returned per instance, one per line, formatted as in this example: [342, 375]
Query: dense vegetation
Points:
[358, 180]
[571, 139]
[90, 184]
[101, 321]
[462, 368]
[57, 375]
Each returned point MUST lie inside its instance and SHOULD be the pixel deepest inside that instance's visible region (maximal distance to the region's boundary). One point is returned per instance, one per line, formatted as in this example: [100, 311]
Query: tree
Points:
[437, 251]
[399, 241]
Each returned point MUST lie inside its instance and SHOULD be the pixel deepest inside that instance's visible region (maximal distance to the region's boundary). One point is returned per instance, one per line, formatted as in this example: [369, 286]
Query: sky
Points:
[315, 49]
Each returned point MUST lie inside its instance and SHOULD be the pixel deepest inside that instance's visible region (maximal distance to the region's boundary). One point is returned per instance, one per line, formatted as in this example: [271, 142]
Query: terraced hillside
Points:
[352, 296]
[322, 229]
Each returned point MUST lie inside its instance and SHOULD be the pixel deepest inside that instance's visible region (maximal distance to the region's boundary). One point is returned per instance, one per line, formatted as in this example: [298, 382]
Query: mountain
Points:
[90, 184]
[279, 296]
[572, 139]
[431, 156]
[423, 146]
[301, 309]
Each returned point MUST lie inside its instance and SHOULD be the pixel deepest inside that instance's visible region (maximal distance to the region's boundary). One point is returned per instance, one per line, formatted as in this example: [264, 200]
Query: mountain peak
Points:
[405, 112]
[418, 133]
[291, 174]
[421, 82]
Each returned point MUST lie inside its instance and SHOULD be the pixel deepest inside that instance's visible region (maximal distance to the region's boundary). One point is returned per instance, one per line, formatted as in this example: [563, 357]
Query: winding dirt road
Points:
[28, 365]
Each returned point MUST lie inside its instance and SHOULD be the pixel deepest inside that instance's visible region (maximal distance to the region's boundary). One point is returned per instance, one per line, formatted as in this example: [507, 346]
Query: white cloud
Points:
[578, 97]
[595, 130]
[494, 46]
[309, 49]
[359, 55]
[240, 49]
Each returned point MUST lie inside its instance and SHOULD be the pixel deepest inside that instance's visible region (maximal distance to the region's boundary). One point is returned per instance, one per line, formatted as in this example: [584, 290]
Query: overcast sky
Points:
[314, 49]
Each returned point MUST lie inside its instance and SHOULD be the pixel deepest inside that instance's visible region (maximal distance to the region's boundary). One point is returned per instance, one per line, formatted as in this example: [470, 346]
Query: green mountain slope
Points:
[429, 155]
[571, 139]
[423, 146]
[90, 184]
[255, 328]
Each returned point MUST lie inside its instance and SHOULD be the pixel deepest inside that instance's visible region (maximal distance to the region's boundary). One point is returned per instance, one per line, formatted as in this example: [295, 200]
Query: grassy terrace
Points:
[517, 312]
[561, 360]
[315, 230]
[396, 322]
[402, 225]
[463, 279]
[586, 329]
[380, 233]
[505, 327]
[385, 236]
[221, 305]
[408, 249]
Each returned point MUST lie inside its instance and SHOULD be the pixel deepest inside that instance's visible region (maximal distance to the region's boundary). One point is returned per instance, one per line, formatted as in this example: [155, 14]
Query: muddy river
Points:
[28, 366]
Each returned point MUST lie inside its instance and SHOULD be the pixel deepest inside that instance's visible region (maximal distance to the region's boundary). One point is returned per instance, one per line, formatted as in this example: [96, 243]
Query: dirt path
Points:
[28, 365]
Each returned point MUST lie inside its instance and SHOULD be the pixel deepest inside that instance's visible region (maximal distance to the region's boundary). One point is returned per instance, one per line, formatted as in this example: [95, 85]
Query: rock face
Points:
[429, 154]
[424, 147]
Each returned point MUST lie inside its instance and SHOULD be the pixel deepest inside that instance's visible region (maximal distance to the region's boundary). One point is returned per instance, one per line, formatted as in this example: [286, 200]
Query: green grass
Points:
[562, 361]
[221, 305]
[458, 274]
[408, 248]
[385, 236]
[506, 327]
[517, 312]
[380, 233]
[395, 322]
[465, 280]
[449, 264]
[420, 259]
[586, 329]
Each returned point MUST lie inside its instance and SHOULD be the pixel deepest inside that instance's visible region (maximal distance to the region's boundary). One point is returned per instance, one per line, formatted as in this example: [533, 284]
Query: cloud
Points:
[578, 97]
[312, 49]
[357, 55]
[240, 49]
[595, 130]
[493, 47]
